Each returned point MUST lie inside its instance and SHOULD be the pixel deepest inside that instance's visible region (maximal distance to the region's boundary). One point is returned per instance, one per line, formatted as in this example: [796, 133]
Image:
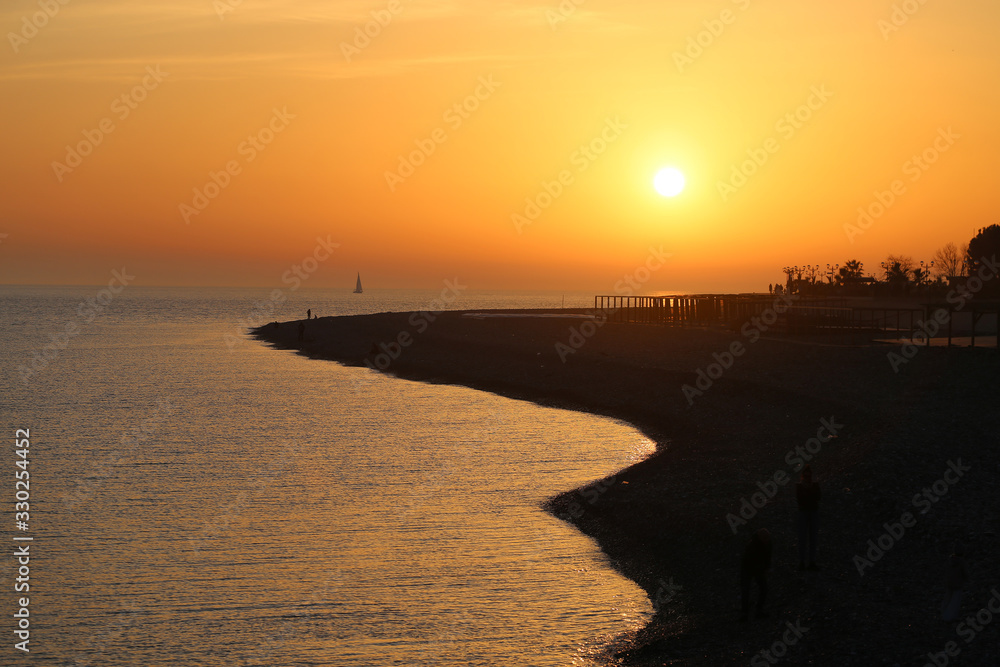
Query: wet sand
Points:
[663, 522]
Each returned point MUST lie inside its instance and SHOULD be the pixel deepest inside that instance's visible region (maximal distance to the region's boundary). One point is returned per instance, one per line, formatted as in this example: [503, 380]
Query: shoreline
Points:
[662, 522]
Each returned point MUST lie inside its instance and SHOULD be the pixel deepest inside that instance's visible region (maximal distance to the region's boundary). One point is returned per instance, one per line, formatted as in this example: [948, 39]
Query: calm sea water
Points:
[198, 498]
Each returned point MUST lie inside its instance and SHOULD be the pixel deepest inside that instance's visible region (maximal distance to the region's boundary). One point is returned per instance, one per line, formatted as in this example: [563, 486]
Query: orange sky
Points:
[200, 78]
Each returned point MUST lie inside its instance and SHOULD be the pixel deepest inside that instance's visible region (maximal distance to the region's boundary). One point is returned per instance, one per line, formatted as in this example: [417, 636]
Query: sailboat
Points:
[358, 290]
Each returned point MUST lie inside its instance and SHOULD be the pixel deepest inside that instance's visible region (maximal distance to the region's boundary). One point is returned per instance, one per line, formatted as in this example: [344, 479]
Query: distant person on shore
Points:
[309, 313]
[754, 566]
[955, 578]
[770, 288]
[302, 330]
[807, 494]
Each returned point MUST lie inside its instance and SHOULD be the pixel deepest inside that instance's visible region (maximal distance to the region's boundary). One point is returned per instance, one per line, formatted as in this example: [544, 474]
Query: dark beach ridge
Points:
[907, 459]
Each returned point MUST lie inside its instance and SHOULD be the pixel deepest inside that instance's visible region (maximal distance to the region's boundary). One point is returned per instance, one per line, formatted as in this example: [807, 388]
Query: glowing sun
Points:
[669, 181]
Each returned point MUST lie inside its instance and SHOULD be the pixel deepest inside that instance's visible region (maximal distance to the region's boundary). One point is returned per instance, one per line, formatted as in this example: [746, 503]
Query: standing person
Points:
[754, 566]
[309, 313]
[956, 576]
[807, 494]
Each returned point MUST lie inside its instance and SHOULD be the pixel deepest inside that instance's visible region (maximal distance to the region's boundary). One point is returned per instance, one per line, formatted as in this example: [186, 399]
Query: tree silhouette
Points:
[898, 269]
[948, 261]
[852, 270]
[984, 247]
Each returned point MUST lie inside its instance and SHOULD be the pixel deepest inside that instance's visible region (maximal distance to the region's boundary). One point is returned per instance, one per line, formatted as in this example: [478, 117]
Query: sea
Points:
[196, 497]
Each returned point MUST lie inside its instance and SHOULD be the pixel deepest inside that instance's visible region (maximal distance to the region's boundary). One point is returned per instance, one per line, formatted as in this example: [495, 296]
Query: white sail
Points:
[358, 290]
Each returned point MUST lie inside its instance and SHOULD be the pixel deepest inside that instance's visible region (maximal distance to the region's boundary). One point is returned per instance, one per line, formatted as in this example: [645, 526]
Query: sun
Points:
[669, 181]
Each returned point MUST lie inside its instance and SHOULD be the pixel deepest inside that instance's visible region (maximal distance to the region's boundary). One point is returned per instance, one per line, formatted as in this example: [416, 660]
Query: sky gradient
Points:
[508, 144]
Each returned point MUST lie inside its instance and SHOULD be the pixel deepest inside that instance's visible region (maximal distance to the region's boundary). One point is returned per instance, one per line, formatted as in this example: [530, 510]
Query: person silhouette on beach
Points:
[309, 313]
[754, 566]
[955, 578]
[807, 495]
